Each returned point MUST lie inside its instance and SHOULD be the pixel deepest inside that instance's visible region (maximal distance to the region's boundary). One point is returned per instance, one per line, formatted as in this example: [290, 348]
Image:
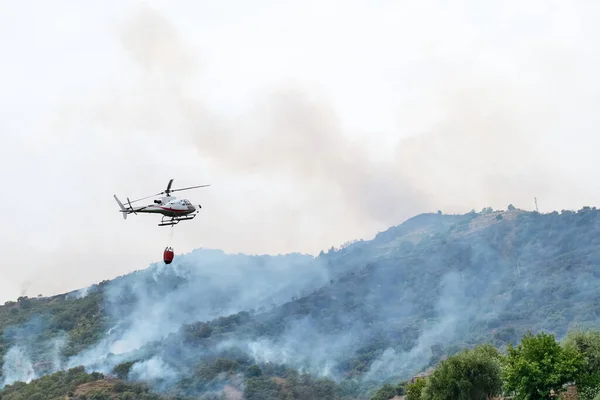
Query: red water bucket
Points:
[168, 255]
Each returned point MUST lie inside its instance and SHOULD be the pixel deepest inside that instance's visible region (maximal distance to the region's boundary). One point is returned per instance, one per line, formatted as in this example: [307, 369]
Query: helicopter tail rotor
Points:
[130, 207]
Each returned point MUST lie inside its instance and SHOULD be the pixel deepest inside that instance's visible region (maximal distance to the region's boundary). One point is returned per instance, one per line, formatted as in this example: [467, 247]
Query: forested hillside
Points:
[352, 319]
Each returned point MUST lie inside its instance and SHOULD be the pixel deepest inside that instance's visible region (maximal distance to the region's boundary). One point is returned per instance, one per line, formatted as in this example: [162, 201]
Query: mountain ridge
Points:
[383, 308]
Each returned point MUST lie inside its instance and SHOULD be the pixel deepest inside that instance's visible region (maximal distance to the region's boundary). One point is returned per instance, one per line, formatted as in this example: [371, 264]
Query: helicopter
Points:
[173, 210]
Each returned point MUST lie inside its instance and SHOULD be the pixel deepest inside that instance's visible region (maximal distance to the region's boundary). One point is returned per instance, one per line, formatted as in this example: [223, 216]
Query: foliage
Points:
[122, 370]
[538, 365]
[253, 371]
[34, 323]
[262, 388]
[588, 344]
[76, 384]
[386, 392]
[414, 390]
[469, 375]
[530, 371]
[590, 389]
[293, 386]
[389, 391]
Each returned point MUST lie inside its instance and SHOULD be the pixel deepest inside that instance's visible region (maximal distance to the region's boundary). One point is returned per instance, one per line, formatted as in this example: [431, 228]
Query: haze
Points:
[315, 122]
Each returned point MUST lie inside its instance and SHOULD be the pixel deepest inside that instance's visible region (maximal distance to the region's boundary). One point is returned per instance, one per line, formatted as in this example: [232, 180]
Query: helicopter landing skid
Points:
[175, 220]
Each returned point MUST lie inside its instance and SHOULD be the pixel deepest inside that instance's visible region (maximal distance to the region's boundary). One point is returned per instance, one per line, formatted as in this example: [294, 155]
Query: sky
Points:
[314, 122]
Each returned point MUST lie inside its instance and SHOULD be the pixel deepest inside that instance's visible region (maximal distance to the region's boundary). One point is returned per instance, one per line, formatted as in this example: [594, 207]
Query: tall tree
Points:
[538, 365]
[414, 390]
[588, 344]
[469, 375]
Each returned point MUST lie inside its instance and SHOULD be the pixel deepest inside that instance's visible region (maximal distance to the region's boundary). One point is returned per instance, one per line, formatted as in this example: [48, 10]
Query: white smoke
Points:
[17, 366]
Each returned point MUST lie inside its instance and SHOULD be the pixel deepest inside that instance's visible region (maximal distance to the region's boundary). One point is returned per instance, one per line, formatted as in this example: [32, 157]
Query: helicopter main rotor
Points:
[169, 190]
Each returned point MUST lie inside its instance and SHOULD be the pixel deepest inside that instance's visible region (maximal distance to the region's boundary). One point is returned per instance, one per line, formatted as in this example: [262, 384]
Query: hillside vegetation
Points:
[76, 384]
[342, 324]
[536, 368]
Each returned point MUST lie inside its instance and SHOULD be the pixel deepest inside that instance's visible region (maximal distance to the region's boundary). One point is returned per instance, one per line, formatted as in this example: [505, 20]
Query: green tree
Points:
[253, 371]
[469, 375]
[539, 364]
[99, 395]
[122, 370]
[260, 388]
[588, 344]
[414, 390]
[386, 392]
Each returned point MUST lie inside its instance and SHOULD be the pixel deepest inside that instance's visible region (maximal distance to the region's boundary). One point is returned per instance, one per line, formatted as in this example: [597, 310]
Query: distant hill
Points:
[370, 312]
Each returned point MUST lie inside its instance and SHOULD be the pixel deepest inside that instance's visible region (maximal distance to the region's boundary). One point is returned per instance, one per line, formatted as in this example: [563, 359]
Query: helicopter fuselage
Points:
[168, 206]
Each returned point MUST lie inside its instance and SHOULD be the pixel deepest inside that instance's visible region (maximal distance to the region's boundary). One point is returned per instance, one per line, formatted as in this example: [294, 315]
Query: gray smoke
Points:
[489, 130]
[200, 286]
[480, 114]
